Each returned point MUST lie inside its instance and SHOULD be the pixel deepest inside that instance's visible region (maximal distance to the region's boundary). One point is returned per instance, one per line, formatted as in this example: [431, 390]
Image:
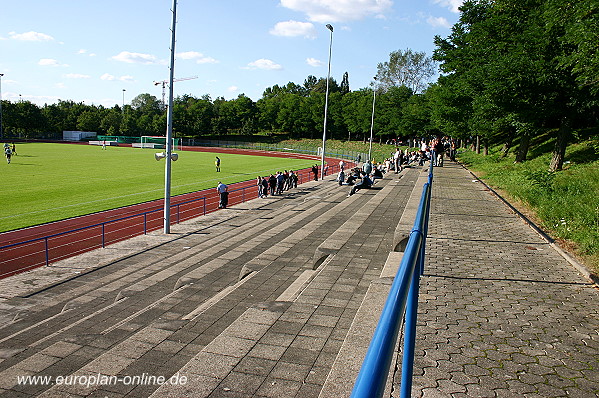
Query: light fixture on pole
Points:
[326, 106]
[372, 119]
[162, 155]
[169, 130]
[1, 131]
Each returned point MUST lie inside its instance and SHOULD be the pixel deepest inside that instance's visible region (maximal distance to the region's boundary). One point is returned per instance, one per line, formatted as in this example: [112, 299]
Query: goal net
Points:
[157, 142]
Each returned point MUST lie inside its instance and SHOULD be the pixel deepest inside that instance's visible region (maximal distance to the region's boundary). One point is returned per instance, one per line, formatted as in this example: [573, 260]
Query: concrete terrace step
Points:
[137, 267]
[158, 291]
[277, 347]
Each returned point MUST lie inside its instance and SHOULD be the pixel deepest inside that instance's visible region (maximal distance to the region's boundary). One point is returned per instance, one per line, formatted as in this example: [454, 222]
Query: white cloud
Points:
[314, 62]
[30, 36]
[294, 28]
[109, 77]
[198, 57]
[84, 52]
[330, 11]
[49, 62]
[233, 89]
[189, 55]
[264, 64]
[453, 5]
[438, 21]
[206, 60]
[76, 76]
[136, 58]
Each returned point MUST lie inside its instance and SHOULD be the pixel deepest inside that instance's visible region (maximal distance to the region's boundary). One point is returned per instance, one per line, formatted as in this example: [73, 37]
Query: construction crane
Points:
[164, 84]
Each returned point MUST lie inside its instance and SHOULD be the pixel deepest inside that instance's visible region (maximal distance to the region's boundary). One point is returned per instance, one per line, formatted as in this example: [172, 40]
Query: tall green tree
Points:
[90, 120]
[507, 58]
[412, 69]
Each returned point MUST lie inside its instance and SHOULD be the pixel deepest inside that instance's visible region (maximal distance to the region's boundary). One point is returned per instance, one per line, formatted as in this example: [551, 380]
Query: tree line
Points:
[292, 108]
[511, 72]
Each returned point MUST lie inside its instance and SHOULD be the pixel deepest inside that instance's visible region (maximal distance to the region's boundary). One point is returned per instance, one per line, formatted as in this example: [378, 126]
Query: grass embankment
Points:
[49, 182]
[565, 203]
[379, 151]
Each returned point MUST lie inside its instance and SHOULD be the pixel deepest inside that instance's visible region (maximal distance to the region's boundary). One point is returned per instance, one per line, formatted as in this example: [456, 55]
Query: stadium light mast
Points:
[1, 130]
[326, 106]
[169, 130]
[372, 119]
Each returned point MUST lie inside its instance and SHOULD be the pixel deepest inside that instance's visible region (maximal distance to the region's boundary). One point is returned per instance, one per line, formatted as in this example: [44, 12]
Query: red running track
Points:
[27, 248]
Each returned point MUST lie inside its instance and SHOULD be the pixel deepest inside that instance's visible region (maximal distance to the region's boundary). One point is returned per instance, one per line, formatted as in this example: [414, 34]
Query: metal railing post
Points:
[47, 252]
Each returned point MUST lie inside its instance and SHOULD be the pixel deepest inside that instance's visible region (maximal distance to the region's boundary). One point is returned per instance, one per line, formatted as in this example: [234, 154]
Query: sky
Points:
[106, 52]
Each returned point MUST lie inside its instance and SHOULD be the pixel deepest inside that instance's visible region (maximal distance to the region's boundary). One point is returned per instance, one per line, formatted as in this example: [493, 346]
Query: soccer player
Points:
[7, 153]
[217, 164]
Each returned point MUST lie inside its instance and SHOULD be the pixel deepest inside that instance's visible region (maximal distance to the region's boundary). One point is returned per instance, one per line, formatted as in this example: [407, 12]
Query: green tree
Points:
[506, 57]
[111, 121]
[345, 84]
[89, 120]
[389, 111]
[146, 104]
[406, 68]
[580, 23]
[24, 118]
[357, 107]
[416, 118]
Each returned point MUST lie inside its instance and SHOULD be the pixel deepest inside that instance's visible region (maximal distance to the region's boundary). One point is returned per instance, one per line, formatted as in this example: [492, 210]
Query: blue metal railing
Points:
[373, 375]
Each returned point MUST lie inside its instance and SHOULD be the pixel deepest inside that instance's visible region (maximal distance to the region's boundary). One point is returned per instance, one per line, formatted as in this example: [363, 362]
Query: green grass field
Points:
[49, 182]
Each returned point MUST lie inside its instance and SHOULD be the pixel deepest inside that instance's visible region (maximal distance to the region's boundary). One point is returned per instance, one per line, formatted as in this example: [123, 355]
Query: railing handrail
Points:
[373, 374]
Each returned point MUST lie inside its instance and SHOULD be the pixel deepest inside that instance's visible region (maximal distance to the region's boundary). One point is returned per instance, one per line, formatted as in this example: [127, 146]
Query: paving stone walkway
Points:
[501, 313]
[279, 298]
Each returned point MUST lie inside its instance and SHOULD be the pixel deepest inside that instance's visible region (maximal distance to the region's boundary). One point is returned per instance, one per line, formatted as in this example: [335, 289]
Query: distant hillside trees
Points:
[292, 108]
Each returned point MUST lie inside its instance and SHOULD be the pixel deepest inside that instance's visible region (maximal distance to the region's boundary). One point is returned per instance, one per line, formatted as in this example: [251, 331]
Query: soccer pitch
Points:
[48, 182]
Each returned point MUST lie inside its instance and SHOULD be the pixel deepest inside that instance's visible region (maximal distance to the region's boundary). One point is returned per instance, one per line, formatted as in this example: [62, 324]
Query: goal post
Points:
[152, 141]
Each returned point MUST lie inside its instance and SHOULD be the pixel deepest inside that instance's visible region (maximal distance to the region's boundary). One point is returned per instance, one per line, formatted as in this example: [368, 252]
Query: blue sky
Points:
[92, 50]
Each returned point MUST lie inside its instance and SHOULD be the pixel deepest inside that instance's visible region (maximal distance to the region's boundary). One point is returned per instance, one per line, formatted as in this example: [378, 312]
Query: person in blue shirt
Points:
[224, 195]
[365, 183]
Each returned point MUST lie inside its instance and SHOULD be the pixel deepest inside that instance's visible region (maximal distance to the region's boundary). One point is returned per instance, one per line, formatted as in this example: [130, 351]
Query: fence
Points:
[375, 368]
[339, 154]
[22, 256]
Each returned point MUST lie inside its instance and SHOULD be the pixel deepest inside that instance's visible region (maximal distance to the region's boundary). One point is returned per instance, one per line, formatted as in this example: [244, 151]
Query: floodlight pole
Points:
[326, 106]
[169, 130]
[372, 120]
[1, 130]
